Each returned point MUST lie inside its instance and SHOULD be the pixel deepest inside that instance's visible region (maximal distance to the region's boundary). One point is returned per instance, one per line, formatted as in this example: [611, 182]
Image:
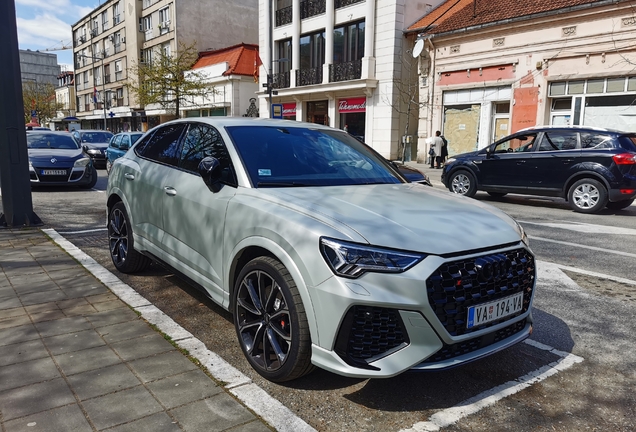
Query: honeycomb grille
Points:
[371, 331]
[457, 285]
[461, 348]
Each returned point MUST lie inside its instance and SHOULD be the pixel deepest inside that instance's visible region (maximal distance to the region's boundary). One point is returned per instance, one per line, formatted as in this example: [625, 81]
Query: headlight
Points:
[93, 151]
[352, 260]
[81, 162]
[449, 161]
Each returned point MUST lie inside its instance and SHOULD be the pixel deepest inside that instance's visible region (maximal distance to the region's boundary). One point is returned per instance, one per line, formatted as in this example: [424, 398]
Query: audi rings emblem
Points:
[492, 267]
[53, 160]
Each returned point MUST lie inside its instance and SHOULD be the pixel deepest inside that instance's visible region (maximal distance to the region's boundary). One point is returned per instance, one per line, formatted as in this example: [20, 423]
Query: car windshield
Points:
[96, 137]
[295, 156]
[51, 141]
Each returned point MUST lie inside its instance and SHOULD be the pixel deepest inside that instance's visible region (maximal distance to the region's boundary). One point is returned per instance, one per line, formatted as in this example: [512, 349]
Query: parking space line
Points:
[234, 381]
[488, 398]
[627, 254]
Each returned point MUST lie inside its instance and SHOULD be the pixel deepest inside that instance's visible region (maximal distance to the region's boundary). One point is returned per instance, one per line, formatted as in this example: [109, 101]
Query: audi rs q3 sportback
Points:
[323, 252]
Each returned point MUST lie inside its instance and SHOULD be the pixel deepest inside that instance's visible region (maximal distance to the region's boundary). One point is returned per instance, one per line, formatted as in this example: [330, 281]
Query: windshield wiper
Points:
[280, 184]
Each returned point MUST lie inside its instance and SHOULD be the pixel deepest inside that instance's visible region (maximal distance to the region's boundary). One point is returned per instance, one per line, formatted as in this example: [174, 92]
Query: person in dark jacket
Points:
[443, 152]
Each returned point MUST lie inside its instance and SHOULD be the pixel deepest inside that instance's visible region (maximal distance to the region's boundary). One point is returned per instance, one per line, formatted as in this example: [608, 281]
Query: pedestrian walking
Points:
[435, 150]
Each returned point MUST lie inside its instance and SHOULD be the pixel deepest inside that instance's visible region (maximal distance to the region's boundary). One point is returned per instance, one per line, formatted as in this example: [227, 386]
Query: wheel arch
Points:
[580, 176]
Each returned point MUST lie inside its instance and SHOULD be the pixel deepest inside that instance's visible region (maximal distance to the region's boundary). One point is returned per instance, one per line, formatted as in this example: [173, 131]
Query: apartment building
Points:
[491, 68]
[121, 33]
[39, 67]
[342, 63]
[65, 97]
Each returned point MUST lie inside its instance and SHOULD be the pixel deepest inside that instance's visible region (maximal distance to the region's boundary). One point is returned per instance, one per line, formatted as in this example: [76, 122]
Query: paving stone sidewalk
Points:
[74, 357]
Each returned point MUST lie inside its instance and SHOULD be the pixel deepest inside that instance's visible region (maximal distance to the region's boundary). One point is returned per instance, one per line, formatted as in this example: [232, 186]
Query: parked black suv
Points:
[591, 168]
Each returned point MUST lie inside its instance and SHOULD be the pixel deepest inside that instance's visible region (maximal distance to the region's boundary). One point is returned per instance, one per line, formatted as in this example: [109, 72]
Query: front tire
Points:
[120, 240]
[270, 321]
[463, 182]
[93, 181]
[587, 196]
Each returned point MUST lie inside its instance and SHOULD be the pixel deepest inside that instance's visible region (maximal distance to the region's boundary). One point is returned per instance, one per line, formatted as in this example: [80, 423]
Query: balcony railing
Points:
[309, 76]
[283, 16]
[342, 3]
[309, 8]
[345, 71]
[281, 80]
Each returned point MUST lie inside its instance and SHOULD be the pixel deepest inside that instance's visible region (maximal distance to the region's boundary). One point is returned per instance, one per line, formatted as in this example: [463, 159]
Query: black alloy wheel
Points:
[270, 321]
[120, 240]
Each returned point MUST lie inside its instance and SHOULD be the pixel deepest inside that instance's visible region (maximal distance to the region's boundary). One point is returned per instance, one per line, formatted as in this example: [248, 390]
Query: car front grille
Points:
[457, 285]
[461, 348]
[369, 332]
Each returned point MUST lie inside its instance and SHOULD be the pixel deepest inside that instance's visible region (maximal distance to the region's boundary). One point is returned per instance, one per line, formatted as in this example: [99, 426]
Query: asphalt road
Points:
[589, 378]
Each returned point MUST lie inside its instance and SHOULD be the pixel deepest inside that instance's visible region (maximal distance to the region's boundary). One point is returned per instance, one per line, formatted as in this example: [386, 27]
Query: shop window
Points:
[615, 85]
[576, 87]
[561, 104]
[595, 86]
[631, 84]
[557, 88]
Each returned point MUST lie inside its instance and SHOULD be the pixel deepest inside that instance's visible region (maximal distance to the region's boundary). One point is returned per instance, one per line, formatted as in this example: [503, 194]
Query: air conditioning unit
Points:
[82, 39]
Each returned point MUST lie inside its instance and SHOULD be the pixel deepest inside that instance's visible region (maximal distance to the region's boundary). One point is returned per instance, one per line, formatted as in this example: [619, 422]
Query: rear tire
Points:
[619, 205]
[463, 182]
[120, 241]
[587, 196]
[270, 321]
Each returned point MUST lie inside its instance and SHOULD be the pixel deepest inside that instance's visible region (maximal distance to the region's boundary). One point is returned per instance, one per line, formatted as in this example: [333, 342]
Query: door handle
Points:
[170, 191]
[129, 176]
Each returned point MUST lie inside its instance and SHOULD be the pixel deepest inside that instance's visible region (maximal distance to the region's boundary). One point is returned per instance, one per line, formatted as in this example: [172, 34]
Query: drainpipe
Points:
[432, 55]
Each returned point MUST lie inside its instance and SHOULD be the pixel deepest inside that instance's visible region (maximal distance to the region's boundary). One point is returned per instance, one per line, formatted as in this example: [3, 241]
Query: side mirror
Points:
[210, 171]
[85, 148]
[488, 153]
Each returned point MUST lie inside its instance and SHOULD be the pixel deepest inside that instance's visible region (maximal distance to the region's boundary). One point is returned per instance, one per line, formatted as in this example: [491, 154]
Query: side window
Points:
[519, 143]
[558, 140]
[141, 144]
[202, 141]
[115, 141]
[125, 142]
[163, 145]
[595, 141]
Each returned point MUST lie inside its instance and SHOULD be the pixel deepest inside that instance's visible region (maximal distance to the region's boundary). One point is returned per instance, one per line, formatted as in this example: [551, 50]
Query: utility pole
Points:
[17, 203]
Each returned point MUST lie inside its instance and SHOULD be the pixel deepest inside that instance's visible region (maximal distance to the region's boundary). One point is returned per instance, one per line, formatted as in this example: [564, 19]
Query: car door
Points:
[506, 166]
[145, 174]
[556, 154]
[194, 216]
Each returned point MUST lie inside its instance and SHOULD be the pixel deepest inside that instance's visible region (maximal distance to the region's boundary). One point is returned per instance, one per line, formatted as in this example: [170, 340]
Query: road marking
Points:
[488, 398]
[595, 274]
[585, 228]
[235, 382]
[627, 254]
[83, 231]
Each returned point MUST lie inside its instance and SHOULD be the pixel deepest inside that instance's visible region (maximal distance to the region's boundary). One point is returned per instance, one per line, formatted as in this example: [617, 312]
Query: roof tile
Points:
[242, 59]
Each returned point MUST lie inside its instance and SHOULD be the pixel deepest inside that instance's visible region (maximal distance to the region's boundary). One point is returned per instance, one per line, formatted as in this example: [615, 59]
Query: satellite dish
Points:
[417, 49]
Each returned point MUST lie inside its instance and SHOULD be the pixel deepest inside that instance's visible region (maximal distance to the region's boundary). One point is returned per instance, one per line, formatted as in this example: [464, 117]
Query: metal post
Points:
[104, 91]
[17, 203]
[270, 75]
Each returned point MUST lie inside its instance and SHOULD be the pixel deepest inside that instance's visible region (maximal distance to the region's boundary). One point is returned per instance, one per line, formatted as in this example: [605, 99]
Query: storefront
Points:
[352, 113]
[318, 112]
[289, 111]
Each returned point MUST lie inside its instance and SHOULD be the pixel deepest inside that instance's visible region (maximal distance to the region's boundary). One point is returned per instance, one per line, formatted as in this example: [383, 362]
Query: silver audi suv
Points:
[323, 252]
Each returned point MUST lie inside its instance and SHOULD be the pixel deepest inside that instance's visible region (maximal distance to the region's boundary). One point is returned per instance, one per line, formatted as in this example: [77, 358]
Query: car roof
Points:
[92, 130]
[573, 127]
[40, 132]
[249, 121]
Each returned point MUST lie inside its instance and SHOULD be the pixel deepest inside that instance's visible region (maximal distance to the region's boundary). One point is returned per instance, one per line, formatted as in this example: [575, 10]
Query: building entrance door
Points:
[317, 112]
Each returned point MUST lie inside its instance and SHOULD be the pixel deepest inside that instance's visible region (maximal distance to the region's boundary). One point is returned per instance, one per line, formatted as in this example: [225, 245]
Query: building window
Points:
[165, 49]
[105, 20]
[116, 17]
[348, 50]
[283, 12]
[164, 20]
[312, 57]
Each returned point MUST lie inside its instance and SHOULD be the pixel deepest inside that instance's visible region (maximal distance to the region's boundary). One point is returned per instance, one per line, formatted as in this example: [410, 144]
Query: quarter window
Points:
[163, 145]
[596, 141]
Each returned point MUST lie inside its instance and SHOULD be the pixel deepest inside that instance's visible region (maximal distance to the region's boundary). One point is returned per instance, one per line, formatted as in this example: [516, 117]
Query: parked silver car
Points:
[319, 247]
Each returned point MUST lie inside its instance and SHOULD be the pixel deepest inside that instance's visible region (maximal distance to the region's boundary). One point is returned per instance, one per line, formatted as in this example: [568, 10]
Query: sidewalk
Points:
[433, 174]
[75, 357]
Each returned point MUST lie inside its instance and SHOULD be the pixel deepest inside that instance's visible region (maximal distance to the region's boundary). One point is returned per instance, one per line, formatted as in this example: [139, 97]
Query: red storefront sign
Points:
[352, 105]
[289, 109]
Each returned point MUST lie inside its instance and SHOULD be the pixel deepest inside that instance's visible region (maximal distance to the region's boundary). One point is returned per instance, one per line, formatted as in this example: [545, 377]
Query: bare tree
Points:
[39, 97]
[164, 80]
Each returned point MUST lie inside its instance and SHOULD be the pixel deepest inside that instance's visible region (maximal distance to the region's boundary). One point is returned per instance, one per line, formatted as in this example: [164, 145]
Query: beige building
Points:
[343, 63]
[491, 68]
[121, 33]
[65, 97]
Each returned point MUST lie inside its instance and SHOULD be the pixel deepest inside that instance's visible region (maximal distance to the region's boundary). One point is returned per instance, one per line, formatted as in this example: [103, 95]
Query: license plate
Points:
[487, 312]
[53, 172]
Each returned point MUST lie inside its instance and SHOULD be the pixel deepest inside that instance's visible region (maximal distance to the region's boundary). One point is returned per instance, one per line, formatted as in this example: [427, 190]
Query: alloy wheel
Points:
[461, 184]
[264, 321]
[118, 237]
[586, 196]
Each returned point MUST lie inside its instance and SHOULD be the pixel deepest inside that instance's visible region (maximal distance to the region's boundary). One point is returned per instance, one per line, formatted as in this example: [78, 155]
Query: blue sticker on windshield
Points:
[264, 172]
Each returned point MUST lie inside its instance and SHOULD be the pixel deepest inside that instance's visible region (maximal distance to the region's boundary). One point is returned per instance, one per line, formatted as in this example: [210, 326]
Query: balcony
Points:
[281, 80]
[309, 8]
[343, 3]
[345, 71]
[283, 16]
[309, 76]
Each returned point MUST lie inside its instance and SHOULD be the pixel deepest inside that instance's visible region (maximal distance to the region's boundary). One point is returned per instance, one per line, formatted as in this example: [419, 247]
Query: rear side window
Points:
[163, 145]
[557, 141]
[628, 142]
[591, 140]
[114, 142]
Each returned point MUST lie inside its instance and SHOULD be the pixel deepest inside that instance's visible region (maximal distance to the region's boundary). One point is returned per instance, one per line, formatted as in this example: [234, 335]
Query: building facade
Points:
[119, 34]
[65, 97]
[490, 68]
[39, 67]
[341, 63]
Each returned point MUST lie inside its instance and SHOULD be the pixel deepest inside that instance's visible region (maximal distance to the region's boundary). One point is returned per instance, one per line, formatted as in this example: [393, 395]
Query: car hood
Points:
[404, 216]
[63, 158]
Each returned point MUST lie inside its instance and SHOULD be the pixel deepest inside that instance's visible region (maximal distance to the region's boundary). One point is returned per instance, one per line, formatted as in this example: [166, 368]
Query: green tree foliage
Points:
[41, 98]
[164, 80]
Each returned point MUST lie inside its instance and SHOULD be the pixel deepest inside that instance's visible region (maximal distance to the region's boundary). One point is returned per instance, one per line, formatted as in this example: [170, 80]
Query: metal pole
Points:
[17, 203]
[270, 74]
[104, 92]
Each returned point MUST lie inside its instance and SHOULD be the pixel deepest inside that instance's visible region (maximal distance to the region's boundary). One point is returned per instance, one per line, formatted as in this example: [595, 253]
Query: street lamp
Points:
[101, 59]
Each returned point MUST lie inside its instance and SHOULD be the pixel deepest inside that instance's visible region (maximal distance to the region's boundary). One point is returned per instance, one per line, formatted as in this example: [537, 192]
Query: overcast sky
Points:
[46, 24]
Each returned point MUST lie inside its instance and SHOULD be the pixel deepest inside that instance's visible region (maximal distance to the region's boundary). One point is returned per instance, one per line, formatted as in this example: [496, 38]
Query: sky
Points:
[46, 24]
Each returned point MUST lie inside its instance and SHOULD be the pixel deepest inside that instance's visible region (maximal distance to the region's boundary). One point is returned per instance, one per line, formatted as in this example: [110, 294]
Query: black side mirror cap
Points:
[210, 171]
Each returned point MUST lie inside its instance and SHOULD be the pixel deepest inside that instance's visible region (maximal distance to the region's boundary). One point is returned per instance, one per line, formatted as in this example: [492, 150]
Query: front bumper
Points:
[74, 176]
[381, 325]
